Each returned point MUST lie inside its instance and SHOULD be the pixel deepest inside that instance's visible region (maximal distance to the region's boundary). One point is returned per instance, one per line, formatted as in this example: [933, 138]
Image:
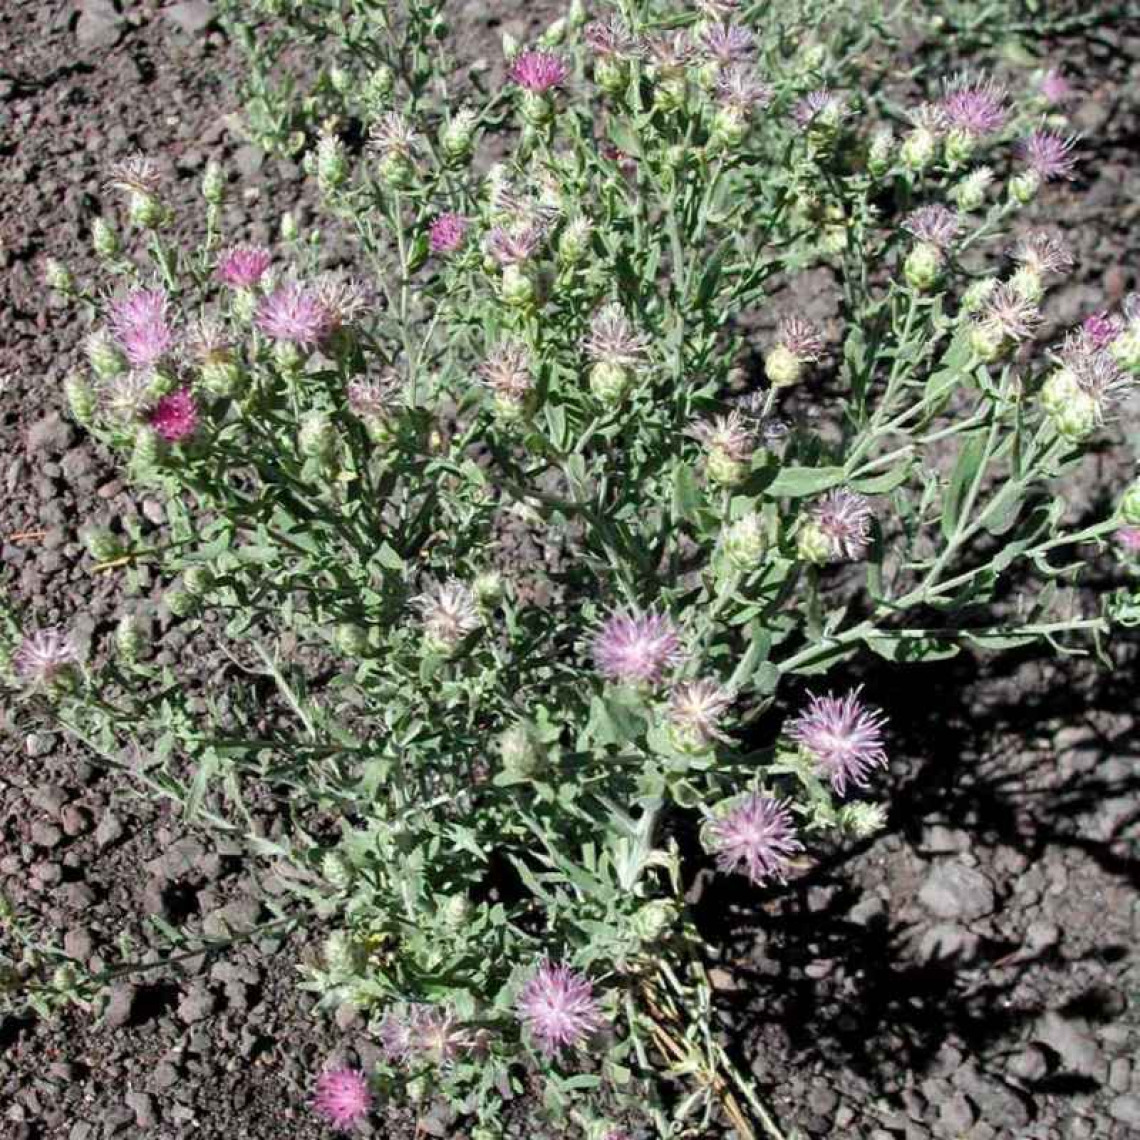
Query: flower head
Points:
[393, 135]
[1043, 253]
[447, 233]
[142, 327]
[175, 417]
[372, 399]
[740, 88]
[44, 657]
[1128, 539]
[539, 71]
[934, 224]
[975, 106]
[614, 340]
[1048, 154]
[929, 117]
[435, 1034]
[801, 338]
[135, 175]
[396, 1037]
[344, 299]
[558, 1007]
[696, 709]
[1101, 329]
[294, 314]
[636, 649]
[611, 37]
[514, 245]
[1009, 313]
[506, 371]
[672, 52]
[342, 1098]
[731, 435]
[819, 107]
[450, 613]
[843, 737]
[843, 517]
[243, 266]
[727, 43]
[755, 836]
[1055, 88]
[1093, 368]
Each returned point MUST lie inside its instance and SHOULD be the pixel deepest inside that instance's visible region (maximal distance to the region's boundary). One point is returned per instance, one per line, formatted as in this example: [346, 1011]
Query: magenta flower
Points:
[755, 836]
[342, 1098]
[1048, 155]
[636, 649]
[294, 314]
[446, 233]
[44, 657]
[934, 224]
[539, 71]
[844, 517]
[843, 737]
[975, 106]
[175, 417]
[243, 266]
[558, 1007]
[1128, 538]
[1101, 329]
[141, 325]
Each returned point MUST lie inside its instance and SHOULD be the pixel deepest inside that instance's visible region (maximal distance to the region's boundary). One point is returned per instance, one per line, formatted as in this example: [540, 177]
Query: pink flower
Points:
[446, 233]
[507, 371]
[243, 266]
[1048, 155]
[1101, 329]
[44, 657]
[1010, 313]
[558, 1007]
[975, 106]
[539, 71]
[342, 1098]
[843, 737]
[696, 709]
[756, 837]
[636, 649]
[295, 314]
[1055, 88]
[844, 517]
[175, 417]
[141, 325]
[1128, 538]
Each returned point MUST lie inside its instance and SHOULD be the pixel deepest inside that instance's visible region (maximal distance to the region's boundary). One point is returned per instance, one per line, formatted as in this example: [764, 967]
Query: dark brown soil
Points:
[971, 973]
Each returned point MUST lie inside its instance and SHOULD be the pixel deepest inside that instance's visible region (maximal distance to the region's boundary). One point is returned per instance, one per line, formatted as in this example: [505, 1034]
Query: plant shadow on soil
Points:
[878, 1008]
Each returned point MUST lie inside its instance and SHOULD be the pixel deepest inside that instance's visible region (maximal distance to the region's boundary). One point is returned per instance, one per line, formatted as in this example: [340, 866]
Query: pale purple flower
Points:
[243, 266]
[755, 836]
[672, 52]
[1128, 538]
[396, 1037]
[1048, 154]
[142, 327]
[731, 435]
[611, 37]
[614, 340]
[696, 709]
[636, 649]
[175, 416]
[935, 224]
[929, 117]
[844, 518]
[344, 299]
[44, 657]
[820, 106]
[1101, 329]
[294, 314]
[393, 135]
[1010, 313]
[436, 1035]
[372, 399]
[135, 175]
[514, 245]
[727, 43]
[450, 613]
[1043, 253]
[843, 737]
[976, 106]
[539, 71]
[208, 343]
[1093, 368]
[801, 338]
[558, 1007]
[1055, 88]
[342, 1098]
[447, 233]
[740, 88]
[506, 371]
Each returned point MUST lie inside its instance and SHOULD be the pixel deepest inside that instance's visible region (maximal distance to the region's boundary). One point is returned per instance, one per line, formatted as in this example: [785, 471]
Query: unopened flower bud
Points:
[576, 15]
[1125, 349]
[611, 74]
[520, 751]
[923, 267]
[919, 149]
[609, 382]
[880, 155]
[516, 288]
[289, 228]
[81, 402]
[339, 80]
[455, 911]
[316, 437]
[976, 296]
[1023, 187]
[102, 545]
[287, 356]
[960, 147]
[1079, 418]
[970, 193]
[488, 588]
[729, 127]
[1130, 504]
[104, 240]
[553, 35]
[146, 211]
[332, 163]
[350, 640]
[862, 820]
[1058, 390]
[58, 277]
[744, 543]
[458, 135]
[180, 603]
[574, 243]
[379, 86]
[130, 641]
[988, 343]
[653, 921]
[812, 544]
[511, 47]
[341, 953]
[146, 451]
[214, 183]
[396, 170]
[337, 871]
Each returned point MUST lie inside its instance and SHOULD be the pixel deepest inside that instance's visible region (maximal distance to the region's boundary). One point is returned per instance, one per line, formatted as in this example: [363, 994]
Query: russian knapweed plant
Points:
[486, 761]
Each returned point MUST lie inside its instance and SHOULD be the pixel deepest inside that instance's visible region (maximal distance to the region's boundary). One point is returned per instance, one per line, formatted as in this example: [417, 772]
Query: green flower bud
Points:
[316, 437]
[1079, 418]
[455, 911]
[1058, 391]
[724, 468]
[222, 378]
[337, 871]
[180, 603]
[104, 240]
[1130, 505]
[1125, 349]
[102, 545]
[880, 156]
[332, 163]
[511, 47]
[609, 382]
[457, 136]
[611, 74]
[729, 127]
[744, 543]
[146, 452]
[516, 288]
[654, 919]
[1027, 281]
[130, 642]
[1023, 187]
[978, 294]
[782, 367]
[341, 953]
[812, 545]
[553, 35]
[339, 79]
[862, 820]
[488, 588]
[80, 398]
[537, 108]
[574, 244]
[576, 15]
[923, 267]
[918, 150]
[520, 751]
[670, 93]
[350, 640]
[146, 211]
[379, 86]
[288, 228]
[214, 183]
[989, 343]
[397, 170]
[58, 277]
[287, 356]
[970, 193]
[960, 147]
